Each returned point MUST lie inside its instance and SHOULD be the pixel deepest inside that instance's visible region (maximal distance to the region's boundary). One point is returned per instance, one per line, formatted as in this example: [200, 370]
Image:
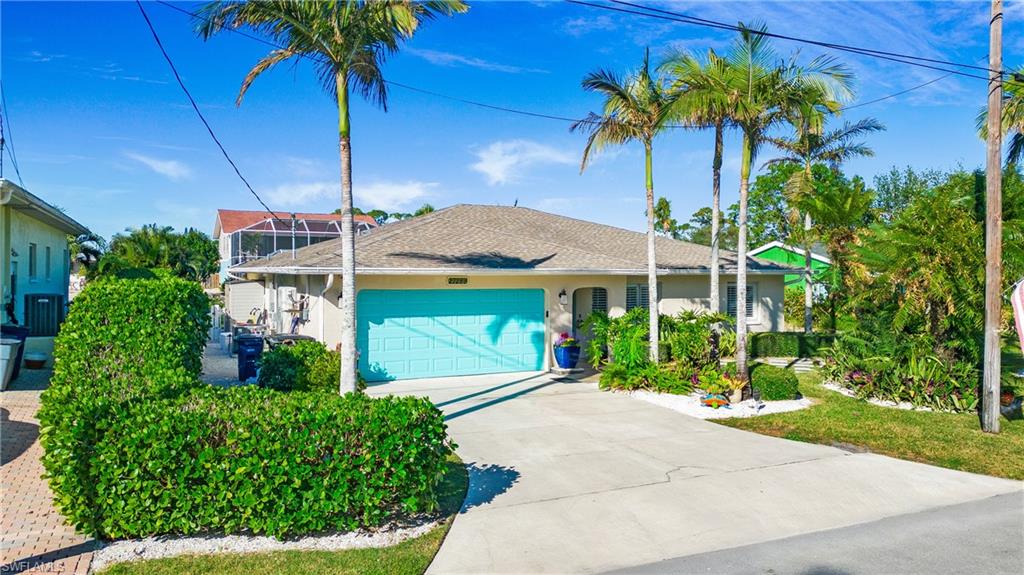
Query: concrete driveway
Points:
[567, 479]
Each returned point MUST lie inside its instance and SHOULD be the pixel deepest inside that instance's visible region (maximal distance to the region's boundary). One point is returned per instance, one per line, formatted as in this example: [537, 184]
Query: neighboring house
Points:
[36, 263]
[244, 235]
[481, 289]
[794, 256]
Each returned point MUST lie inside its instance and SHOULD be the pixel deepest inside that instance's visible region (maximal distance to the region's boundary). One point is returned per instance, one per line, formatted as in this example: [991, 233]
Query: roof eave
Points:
[314, 270]
[42, 211]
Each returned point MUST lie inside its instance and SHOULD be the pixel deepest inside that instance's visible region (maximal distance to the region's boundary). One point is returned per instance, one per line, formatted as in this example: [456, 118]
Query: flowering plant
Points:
[565, 341]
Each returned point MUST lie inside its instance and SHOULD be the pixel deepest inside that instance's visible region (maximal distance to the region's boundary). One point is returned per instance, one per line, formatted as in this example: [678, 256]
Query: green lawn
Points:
[408, 558]
[945, 439]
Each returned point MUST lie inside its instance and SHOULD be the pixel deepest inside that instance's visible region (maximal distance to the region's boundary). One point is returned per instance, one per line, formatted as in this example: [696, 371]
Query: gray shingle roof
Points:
[476, 238]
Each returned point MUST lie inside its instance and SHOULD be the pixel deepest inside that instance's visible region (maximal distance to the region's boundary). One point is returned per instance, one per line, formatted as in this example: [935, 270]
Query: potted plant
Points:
[736, 387]
[567, 352]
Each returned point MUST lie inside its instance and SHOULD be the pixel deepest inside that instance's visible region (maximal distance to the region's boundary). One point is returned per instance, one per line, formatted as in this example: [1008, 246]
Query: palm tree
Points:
[806, 148]
[636, 109]
[701, 88]
[1013, 116]
[86, 249]
[763, 93]
[349, 41]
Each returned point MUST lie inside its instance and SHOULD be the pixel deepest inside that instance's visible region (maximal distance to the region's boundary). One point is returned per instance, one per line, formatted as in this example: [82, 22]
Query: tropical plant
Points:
[703, 99]
[1013, 116]
[86, 249]
[635, 109]
[191, 255]
[763, 93]
[808, 146]
[348, 42]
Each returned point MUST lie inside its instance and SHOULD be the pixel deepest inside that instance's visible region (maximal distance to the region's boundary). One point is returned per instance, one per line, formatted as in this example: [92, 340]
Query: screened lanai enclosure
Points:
[270, 236]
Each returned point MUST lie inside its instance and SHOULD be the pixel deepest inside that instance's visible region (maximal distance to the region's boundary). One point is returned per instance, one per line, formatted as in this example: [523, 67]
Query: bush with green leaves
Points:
[774, 383]
[303, 366]
[789, 344]
[123, 342]
[256, 461]
[652, 377]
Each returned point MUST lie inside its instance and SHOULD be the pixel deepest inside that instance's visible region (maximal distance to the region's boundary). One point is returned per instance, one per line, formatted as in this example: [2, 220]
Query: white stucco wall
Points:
[677, 293]
[19, 230]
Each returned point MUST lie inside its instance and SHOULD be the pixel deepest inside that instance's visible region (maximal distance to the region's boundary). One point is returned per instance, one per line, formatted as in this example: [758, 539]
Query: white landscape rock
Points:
[690, 405]
[879, 402]
[168, 546]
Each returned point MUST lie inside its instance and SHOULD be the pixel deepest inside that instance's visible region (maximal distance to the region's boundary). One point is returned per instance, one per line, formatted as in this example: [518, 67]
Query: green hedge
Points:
[304, 366]
[123, 342]
[252, 460]
[775, 383]
[789, 344]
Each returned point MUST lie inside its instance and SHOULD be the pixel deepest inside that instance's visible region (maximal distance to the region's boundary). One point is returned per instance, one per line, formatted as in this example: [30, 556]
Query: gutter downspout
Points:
[323, 304]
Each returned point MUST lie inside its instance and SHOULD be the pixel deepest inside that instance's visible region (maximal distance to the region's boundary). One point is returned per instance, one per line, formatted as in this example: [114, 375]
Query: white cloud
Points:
[383, 195]
[172, 169]
[584, 25]
[392, 196]
[505, 161]
[301, 193]
[440, 58]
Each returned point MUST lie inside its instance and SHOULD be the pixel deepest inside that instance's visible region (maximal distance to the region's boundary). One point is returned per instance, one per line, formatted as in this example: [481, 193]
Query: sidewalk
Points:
[33, 535]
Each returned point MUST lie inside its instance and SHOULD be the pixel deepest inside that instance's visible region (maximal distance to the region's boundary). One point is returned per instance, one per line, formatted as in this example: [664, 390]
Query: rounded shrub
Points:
[774, 383]
[304, 366]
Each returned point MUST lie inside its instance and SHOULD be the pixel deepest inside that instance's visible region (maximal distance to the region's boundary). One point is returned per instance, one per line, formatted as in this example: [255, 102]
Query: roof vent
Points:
[458, 281]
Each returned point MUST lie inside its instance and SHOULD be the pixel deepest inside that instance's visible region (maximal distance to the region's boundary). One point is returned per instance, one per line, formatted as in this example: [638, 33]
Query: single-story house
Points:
[36, 263]
[474, 289]
[790, 255]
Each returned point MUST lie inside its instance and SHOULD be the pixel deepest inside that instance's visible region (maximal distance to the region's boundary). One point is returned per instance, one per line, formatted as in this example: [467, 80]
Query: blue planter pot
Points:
[567, 357]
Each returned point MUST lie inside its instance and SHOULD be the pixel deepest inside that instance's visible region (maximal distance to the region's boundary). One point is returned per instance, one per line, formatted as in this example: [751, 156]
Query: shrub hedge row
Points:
[135, 445]
[789, 344]
[252, 460]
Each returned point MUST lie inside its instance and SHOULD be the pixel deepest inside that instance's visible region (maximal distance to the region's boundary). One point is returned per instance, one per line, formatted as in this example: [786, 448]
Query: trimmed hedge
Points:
[124, 341]
[775, 383]
[789, 344]
[252, 460]
[304, 366]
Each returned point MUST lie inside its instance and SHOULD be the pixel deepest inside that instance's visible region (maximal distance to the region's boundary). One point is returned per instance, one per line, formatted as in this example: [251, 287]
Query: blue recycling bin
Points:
[250, 348]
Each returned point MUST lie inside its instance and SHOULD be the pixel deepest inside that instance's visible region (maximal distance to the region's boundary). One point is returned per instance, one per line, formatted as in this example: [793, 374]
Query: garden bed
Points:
[906, 405]
[689, 404]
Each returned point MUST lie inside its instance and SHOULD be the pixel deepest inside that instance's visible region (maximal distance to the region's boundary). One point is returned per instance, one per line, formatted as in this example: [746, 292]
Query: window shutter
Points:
[637, 295]
[599, 300]
[730, 299]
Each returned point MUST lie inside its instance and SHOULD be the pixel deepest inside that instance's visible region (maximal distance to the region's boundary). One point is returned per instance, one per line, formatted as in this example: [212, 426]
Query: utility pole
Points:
[993, 223]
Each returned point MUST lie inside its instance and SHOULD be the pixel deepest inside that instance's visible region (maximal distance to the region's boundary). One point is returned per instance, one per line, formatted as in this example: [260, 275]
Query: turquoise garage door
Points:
[405, 334]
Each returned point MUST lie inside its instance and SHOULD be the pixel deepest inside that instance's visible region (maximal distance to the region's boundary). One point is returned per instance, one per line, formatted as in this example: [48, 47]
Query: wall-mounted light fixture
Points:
[563, 298]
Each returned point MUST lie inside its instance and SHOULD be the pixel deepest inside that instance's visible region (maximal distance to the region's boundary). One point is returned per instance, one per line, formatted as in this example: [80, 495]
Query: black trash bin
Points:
[250, 348]
[19, 332]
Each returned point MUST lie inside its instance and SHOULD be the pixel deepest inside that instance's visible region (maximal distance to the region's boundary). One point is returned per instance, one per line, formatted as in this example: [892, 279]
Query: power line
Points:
[722, 26]
[10, 136]
[857, 49]
[202, 118]
[496, 107]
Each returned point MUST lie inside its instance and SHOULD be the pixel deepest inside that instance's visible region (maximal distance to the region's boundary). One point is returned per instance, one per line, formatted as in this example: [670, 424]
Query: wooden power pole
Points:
[993, 223]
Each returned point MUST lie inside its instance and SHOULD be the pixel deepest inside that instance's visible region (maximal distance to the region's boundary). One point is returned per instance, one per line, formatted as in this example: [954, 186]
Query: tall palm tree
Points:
[636, 109]
[1013, 116]
[763, 93]
[348, 40]
[703, 100]
[805, 148]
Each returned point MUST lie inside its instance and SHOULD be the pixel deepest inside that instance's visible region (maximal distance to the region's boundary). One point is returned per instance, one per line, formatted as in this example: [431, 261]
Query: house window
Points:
[638, 295]
[730, 305]
[33, 273]
[47, 269]
[599, 299]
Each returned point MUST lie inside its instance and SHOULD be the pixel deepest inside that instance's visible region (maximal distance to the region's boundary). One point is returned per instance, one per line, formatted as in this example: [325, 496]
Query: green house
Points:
[793, 255]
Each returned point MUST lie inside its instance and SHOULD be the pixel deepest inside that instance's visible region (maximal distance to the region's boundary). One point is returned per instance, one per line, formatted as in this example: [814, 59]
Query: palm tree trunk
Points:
[808, 288]
[741, 264]
[716, 178]
[652, 269]
[348, 254]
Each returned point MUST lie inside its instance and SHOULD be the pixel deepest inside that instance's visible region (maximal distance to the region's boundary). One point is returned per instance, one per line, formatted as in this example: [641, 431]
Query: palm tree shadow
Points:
[486, 482]
[18, 436]
[492, 259]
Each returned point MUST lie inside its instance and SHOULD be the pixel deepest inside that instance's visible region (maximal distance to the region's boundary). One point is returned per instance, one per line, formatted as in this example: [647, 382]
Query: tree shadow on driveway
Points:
[18, 436]
[487, 482]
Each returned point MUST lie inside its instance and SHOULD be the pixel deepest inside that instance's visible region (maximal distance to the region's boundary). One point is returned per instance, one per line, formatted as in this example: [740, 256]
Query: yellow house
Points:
[476, 289]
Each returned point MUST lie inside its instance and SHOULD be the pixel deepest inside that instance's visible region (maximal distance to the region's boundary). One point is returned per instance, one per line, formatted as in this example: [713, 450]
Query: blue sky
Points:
[101, 129]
